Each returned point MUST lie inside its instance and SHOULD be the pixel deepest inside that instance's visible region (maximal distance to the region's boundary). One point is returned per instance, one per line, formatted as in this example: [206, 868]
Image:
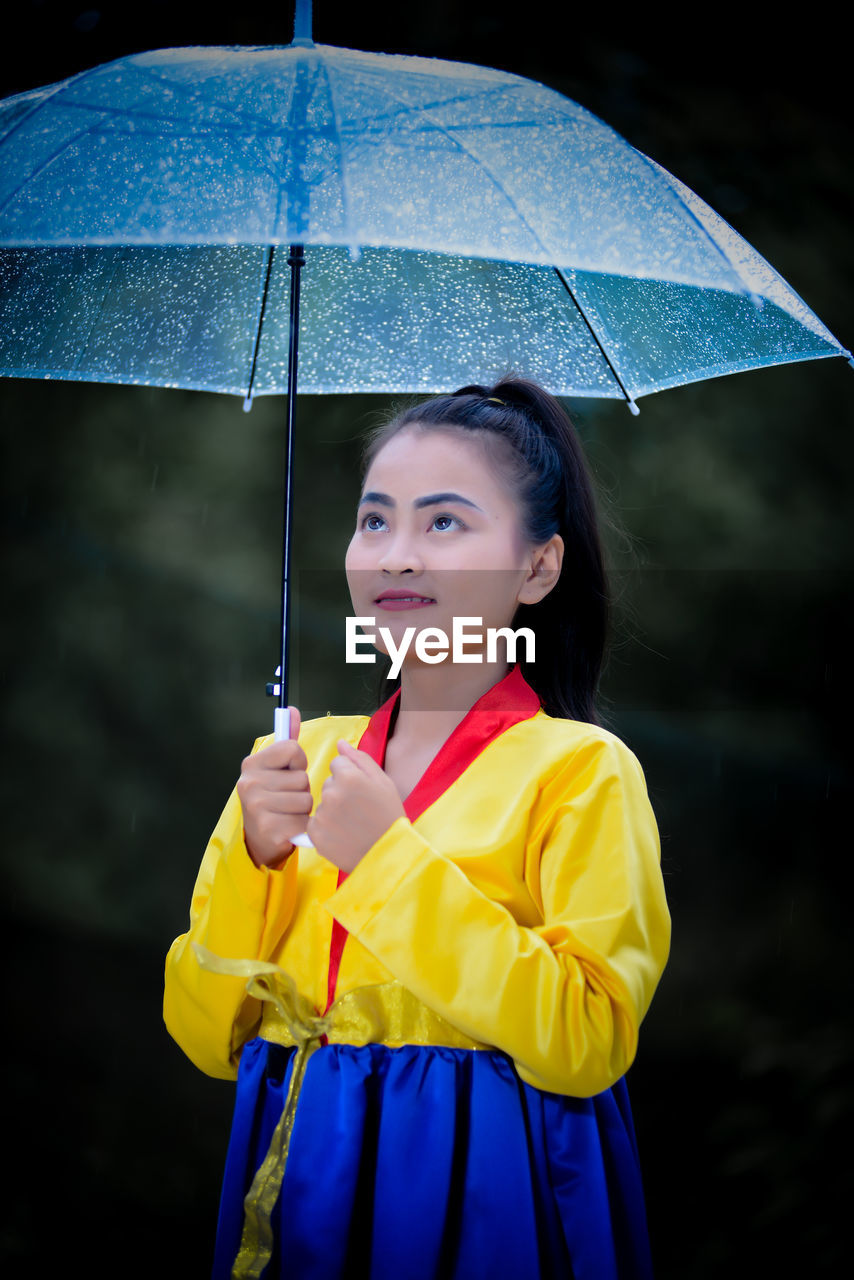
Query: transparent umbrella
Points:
[156, 213]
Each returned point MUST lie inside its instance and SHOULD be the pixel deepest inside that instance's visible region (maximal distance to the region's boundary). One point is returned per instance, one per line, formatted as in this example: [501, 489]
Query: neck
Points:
[434, 700]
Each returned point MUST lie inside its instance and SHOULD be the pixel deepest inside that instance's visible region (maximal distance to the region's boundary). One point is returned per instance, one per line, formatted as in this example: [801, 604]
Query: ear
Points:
[546, 562]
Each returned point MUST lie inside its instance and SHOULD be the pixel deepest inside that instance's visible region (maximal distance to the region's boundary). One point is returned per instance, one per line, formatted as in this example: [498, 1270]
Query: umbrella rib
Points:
[345, 201]
[48, 98]
[468, 151]
[262, 311]
[559, 272]
[238, 115]
[67, 142]
[95, 319]
[35, 173]
[413, 110]
[132, 115]
[661, 172]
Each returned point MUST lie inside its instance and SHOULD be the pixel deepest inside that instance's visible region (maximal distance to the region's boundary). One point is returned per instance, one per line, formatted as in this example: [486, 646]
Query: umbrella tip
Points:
[302, 25]
[633, 409]
[247, 404]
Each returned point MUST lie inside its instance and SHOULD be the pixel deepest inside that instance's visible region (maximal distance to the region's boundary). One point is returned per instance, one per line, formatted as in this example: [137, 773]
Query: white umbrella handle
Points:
[282, 731]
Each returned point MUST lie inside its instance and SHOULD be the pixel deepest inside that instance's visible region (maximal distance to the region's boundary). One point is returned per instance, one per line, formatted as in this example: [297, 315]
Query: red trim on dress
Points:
[336, 950]
[505, 704]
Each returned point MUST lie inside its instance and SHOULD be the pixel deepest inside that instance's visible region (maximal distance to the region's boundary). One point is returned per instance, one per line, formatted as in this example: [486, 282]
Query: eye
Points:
[444, 522]
[372, 523]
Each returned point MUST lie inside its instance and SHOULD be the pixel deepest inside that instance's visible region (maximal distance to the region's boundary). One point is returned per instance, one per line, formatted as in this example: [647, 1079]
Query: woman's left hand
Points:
[358, 804]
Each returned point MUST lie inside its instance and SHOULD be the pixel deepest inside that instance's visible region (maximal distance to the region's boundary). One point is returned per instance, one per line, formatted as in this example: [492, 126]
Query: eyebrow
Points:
[429, 500]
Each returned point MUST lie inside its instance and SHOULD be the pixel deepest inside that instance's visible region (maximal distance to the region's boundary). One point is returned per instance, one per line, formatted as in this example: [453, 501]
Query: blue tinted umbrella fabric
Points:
[457, 221]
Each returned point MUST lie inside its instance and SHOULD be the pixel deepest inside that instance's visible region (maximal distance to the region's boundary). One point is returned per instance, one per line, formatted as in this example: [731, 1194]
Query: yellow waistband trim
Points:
[384, 1013]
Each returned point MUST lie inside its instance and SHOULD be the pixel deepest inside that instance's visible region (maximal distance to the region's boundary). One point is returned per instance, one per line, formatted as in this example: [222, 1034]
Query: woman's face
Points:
[437, 536]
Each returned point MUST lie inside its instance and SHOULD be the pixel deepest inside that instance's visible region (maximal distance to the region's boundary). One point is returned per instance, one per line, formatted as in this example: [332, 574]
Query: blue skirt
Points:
[431, 1163]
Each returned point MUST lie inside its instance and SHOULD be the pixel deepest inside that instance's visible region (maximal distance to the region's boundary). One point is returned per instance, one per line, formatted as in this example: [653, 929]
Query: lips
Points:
[398, 600]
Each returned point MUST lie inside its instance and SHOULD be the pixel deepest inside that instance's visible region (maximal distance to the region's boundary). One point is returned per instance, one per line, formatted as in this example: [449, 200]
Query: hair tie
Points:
[495, 400]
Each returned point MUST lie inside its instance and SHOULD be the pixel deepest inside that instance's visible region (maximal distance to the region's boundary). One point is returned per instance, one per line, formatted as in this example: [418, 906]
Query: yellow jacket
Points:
[524, 906]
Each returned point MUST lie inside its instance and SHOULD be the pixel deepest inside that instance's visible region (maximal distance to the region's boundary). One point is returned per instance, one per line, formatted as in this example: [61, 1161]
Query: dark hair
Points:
[540, 456]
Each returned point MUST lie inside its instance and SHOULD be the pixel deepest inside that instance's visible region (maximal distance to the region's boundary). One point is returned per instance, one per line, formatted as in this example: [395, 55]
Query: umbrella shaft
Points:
[296, 261]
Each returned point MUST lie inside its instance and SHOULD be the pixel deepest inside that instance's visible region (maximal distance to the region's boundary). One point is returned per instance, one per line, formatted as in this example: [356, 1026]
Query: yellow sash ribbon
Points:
[386, 1012]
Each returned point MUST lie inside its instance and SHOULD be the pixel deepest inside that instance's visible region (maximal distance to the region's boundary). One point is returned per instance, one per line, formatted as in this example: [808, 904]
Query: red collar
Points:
[510, 700]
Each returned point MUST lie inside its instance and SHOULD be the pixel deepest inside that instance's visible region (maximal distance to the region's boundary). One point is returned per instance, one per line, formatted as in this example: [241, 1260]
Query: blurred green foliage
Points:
[141, 578]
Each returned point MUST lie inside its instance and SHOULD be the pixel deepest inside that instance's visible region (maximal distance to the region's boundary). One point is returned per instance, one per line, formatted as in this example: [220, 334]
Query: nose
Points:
[401, 555]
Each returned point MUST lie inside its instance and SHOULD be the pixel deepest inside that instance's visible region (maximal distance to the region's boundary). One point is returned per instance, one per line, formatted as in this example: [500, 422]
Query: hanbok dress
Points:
[430, 1051]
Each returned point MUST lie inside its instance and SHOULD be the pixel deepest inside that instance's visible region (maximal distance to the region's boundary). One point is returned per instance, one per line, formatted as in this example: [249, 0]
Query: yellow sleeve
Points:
[238, 910]
[565, 998]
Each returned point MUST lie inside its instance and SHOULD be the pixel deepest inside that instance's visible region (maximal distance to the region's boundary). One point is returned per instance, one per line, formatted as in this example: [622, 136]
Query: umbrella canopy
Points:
[458, 220]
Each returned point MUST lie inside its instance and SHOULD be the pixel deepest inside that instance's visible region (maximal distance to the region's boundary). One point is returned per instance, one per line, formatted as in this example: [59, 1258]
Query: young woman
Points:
[430, 1011]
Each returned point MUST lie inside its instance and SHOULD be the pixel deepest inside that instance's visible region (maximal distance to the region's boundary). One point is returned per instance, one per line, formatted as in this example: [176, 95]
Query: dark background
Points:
[140, 566]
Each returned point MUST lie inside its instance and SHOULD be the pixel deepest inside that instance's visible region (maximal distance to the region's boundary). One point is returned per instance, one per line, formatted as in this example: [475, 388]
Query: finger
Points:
[273, 781]
[360, 759]
[296, 721]
[278, 755]
[260, 789]
[343, 766]
[287, 802]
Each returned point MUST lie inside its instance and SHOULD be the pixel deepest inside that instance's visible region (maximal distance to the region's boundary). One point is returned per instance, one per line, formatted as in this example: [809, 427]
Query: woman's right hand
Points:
[275, 798]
